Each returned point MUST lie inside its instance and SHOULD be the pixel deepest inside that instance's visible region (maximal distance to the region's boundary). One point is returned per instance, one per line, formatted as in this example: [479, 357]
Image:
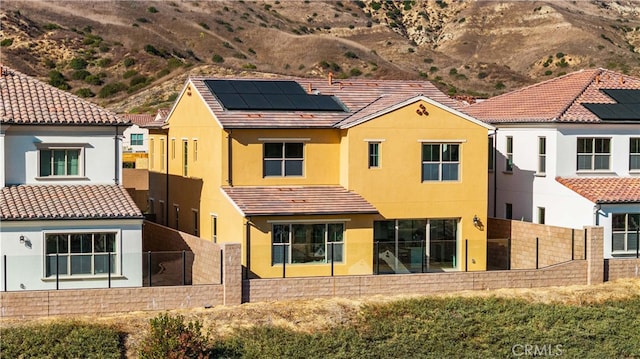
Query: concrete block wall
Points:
[207, 255]
[619, 268]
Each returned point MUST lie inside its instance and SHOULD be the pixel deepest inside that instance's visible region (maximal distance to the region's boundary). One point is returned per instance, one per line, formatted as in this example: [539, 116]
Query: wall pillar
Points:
[595, 254]
[232, 273]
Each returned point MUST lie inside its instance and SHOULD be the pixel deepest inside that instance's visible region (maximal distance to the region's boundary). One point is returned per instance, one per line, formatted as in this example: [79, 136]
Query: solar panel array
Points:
[627, 108]
[258, 95]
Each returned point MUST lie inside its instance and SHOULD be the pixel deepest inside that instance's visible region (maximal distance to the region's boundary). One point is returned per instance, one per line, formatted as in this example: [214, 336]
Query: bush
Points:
[217, 58]
[169, 337]
[350, 55]
[78, 63]
[249, 66]
[355, 72]
[150, 49]
[51, 26]
[500, 86]
[139, 79]
[61, 340]
[56, 79]
[6, 42]
[104, 62]
[129, 73]
[152, 9]
[111, 89]
[94, 80]
[85, 92]
[128, 62]
[80, 74]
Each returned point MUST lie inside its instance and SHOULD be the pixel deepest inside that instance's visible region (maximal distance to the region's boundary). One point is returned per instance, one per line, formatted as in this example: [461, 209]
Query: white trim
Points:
[285, 139]
[441, 141]
[338, 220]
[373, 140]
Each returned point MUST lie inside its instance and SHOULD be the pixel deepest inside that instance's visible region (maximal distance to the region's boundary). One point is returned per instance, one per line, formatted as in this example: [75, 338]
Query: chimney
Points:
[621, 81]
[330, 78]
[309, 88]
[597, 79]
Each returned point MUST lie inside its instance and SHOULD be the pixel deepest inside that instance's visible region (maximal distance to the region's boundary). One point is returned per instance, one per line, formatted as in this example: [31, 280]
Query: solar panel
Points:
[269, 95]
[623, 95]
[615, 111]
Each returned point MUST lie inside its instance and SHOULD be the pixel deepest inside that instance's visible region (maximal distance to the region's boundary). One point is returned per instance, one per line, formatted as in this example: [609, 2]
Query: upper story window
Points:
[283, 159]
[440, 162]
[87, 254]
[374, 154]
[185, 158]
[491, 153]
[162, 154]
[195, 149]
[593, 154]
[136, 139]
[509, 160]
[151, 150]
[60, 162]
[634, 154]
[542, 155]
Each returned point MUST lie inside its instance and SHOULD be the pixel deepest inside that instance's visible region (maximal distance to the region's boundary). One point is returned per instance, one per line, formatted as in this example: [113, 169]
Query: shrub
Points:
[85, 92]
[51, 26]
[249, 66]
[78, 63]
[239, 55]
[500, 86]
[163, 72]
[93, 80]
[49, 63]
[152, 9]
[129, 61]
[204, 25]
[129, 73]
[170, 337]
[104, 62]
[376, 5]
[139, 79]
[6, 42]
[56, 79]
[111, 89]
[453, 71]
[350, 55]
[355, 72]
[80, 74]
[143, 20]
[173, 63]
[150, 49]
[217, 58]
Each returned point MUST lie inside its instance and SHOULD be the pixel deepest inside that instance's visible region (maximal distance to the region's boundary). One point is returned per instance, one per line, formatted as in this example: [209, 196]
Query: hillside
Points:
[134, 56]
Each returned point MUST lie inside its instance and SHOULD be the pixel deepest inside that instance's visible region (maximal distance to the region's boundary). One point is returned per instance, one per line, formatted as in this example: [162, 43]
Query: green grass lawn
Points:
[429, 327]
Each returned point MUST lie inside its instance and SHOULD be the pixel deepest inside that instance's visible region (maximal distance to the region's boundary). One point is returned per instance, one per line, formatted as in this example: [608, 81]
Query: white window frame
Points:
[133, 142]
[542, 214]
[214, 228]
[162, 154]
[542, 155]
[195, 149]
[151, 153]
[508, 165]
[373, 159]
[288, 245]
[283, 160]
[441, 162]
[593, 154]
[185, 158]
[61, 147]
[626, 232]
[116, 269]
[634, 153]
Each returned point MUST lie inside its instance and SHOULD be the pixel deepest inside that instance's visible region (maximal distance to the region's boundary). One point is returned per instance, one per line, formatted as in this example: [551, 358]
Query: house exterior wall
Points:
[128, 146]
[25, 263]
[100, 149]
[396, 188]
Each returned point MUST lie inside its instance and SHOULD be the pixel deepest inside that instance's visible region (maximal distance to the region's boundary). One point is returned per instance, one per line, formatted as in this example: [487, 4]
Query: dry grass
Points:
[319, 314]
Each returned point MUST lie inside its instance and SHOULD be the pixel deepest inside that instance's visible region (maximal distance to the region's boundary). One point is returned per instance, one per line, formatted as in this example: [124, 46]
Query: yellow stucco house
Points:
[322, 177]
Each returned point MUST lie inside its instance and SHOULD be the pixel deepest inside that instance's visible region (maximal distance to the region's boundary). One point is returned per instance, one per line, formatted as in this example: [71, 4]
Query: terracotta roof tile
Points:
[556, 100]
[25, 100]
[28, 202]
[138, 119]
[355, 95]
[254, 201]
[605, 189]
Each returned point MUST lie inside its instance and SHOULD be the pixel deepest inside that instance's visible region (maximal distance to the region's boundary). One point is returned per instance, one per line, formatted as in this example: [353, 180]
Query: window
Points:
[491, 153]
[162, 150]
[195, 150]
[440, 162]
[60, 162]
[214, 228]
[542, 154]
[151, 149]
[80, 253]
[185, 158]
[374, 154]
[625, 233]
[634, 154]
[307, 243]
[196, 222]
[508, 211]
[508, 167]
[283, 159]
[173, 148]
[136, 139]
[152, 207]
[176, 212]
[541, 215]
[593, 154]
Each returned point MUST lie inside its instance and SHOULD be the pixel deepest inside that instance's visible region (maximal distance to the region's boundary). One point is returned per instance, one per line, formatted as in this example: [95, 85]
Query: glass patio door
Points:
[400, 246]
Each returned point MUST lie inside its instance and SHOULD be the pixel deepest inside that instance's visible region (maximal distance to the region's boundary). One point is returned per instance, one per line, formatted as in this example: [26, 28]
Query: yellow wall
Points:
[396, 188]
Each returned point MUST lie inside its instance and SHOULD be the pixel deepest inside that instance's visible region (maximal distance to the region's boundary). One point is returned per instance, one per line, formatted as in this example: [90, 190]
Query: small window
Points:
[491, 153]
[185, 158]
[283, 159]
[151, 152]
[634, 154]
[176, 213]
[508, 211]
[162, 154]
[542, 155]
[60, 162]
[214, 228]
[593, 154]
[624, 230]
[196, 222]
[541, 215]
[509, 160]
[151, 206]
[195, 150]
[173, 148]
[440, 162]
[136, 139]
[374, 154]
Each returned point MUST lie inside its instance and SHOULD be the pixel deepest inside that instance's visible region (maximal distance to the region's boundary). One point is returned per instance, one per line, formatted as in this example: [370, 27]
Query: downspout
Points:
[116, 161]
[248, 249]
[230, 158]
[495, 173]
[166, 168]
[596, 214]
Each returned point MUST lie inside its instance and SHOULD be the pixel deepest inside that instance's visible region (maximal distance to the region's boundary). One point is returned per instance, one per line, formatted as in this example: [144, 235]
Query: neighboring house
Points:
[61, 200]
[568, 154]
[135, 140]
[319, 177]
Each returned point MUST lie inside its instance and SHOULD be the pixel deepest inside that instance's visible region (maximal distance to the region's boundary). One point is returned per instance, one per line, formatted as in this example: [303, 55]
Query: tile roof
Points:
[25, 100]
[356, 95]
[605, 189]
[556, 100]
[140, 119]
[303, 200]
[35, 202]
